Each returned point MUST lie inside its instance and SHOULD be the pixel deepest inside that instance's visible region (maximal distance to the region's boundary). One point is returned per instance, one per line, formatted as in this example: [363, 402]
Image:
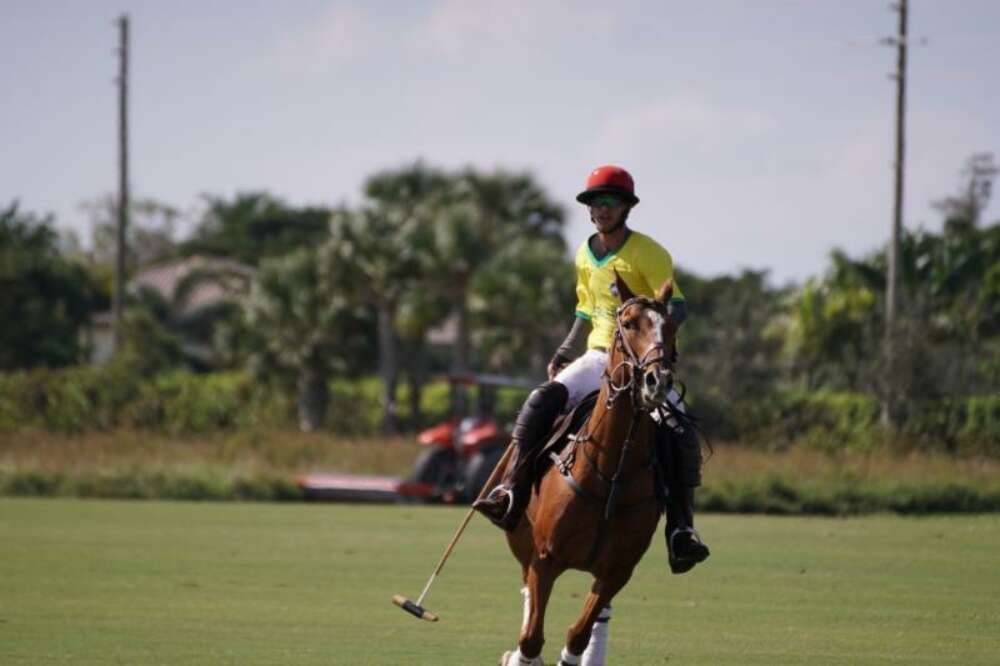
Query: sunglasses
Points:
[605, 201]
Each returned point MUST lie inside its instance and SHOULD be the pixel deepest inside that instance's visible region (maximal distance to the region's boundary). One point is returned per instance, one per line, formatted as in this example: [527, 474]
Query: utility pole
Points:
[890, 400]
[118, 305]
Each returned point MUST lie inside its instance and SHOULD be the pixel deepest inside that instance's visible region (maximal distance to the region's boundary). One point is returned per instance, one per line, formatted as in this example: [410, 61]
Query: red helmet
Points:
[609, 179]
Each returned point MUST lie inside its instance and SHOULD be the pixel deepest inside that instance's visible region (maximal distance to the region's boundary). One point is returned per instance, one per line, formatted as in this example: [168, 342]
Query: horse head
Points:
[646, 335]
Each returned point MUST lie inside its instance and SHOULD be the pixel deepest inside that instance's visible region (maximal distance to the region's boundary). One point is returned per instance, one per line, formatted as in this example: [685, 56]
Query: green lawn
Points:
[99, 582]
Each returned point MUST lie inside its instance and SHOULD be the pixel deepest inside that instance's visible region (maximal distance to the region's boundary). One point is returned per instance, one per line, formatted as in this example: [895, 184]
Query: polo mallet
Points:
[415, 608]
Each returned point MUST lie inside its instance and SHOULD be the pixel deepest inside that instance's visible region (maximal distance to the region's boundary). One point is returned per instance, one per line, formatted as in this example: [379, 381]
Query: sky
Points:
[760, 134]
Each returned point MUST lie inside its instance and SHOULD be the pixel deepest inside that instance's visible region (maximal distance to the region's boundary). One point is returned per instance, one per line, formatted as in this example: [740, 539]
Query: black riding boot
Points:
[680, 453]
[506, 503]
[684, 547]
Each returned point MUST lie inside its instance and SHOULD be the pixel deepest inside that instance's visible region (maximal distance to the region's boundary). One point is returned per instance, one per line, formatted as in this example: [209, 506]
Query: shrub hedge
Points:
[831, 421]
[85, 398]
[156, 485]
[786, 496]
[79, 399]
[772, 495]
[88, 398]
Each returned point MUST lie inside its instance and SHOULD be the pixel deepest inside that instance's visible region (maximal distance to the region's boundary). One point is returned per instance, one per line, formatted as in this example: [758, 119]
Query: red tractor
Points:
[457, 457]
[460, 453]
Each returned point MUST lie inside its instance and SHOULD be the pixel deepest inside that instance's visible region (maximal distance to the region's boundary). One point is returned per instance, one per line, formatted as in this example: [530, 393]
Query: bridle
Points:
[637, 365]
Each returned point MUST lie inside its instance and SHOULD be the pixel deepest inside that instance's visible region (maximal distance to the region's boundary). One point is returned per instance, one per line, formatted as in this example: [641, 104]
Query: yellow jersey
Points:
[644, 265]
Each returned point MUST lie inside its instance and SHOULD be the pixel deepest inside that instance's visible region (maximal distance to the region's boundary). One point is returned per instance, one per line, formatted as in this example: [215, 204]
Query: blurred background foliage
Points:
[341, 319]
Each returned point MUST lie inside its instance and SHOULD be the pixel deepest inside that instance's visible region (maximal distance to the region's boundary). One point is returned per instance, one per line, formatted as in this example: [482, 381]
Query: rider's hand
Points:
[556, 365]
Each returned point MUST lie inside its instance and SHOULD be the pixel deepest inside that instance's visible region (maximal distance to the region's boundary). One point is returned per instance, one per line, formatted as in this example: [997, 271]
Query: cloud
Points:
[343, 34]
[729, 185]
[686, 125]
[459, 28]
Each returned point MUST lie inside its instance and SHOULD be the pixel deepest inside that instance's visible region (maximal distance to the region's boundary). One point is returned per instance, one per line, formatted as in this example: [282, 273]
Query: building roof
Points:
[225, 280]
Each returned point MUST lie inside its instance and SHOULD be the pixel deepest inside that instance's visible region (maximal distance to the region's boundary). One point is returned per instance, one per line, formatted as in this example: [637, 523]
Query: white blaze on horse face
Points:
[655, 385]
[656, 319]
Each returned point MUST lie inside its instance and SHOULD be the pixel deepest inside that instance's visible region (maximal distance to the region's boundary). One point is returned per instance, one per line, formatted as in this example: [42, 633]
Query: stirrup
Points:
[680, 565]
[488, 506]
[685, 530]
[695, 537]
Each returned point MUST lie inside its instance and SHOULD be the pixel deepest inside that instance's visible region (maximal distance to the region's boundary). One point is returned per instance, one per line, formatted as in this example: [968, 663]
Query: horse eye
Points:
[631, 325]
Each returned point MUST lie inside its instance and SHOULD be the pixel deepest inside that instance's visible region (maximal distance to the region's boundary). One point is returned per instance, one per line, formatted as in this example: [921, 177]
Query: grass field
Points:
[99, 582]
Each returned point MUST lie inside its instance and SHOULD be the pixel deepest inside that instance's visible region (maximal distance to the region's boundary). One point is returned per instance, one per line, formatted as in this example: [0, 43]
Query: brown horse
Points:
[601, 514]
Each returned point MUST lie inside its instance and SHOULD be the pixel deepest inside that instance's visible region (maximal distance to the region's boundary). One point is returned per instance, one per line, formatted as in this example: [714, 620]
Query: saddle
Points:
[560, 450]
[561, 440]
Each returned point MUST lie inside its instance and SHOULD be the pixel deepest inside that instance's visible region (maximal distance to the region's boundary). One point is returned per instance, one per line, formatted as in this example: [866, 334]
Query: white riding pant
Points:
[583, 376]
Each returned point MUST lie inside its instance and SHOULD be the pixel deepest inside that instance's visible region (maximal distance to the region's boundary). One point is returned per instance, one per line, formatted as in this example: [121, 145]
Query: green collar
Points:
[610, 255]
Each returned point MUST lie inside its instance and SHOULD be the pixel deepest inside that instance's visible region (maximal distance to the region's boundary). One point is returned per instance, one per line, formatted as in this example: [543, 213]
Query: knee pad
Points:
[540, 410]
[549, 398]
[550, 395]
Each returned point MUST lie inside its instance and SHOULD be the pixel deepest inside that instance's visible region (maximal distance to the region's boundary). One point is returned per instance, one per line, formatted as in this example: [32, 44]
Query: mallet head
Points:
[413, 609]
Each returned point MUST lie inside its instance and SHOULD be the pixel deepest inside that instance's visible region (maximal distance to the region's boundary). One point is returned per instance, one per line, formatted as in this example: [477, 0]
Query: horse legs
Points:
[596, 653]
[578, 636]
[541, 577]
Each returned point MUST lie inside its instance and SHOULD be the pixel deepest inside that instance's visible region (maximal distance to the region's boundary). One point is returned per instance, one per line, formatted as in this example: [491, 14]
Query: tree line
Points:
[352, 290]
[343, 290]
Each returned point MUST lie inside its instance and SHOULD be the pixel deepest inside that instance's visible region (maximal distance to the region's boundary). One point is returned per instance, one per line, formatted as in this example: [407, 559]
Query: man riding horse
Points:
[644, 265]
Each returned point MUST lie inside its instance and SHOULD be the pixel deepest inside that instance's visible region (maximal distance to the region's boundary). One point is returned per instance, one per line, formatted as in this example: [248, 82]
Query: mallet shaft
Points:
[487, 487]
[417, 609]
[447, 553]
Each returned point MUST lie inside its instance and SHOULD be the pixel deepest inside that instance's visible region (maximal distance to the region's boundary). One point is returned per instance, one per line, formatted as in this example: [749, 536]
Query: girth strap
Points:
[568, 477]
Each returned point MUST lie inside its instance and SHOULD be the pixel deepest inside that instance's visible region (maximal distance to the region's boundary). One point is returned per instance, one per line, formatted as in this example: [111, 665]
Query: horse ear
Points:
[666, 291]
[624, 292]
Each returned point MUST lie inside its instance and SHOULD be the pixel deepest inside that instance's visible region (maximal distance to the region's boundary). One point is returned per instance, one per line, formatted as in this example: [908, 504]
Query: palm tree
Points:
[255, 225]
[303, 317]
[420, 309]
[521, 303]
[380, 243]
[468, 223]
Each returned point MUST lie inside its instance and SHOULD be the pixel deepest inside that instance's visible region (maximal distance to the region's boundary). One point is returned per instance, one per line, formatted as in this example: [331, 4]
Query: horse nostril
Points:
[651, 380]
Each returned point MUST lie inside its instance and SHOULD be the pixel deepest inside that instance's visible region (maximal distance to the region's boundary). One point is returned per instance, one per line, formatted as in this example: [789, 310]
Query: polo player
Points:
[577, 366]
